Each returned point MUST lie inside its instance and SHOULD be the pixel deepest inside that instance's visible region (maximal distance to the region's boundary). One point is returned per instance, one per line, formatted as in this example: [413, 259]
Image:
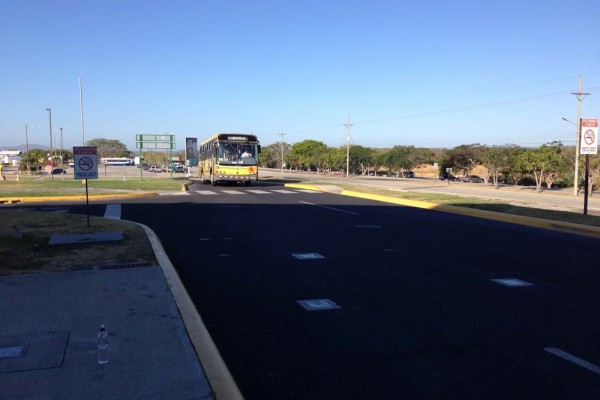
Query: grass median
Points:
[39, 187]
[24, 247]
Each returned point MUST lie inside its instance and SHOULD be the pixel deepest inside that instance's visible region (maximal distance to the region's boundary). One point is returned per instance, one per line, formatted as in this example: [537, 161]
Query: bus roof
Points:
[232, 137]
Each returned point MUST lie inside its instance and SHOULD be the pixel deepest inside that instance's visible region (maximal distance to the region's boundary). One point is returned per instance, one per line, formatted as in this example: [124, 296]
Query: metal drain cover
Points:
[77, 238]
[511, 282]
[33, 351]
[318, 304]
[307, 256]
[11, 352]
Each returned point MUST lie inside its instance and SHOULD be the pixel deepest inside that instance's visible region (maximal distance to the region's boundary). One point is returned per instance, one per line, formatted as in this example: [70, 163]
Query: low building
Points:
[11, 157]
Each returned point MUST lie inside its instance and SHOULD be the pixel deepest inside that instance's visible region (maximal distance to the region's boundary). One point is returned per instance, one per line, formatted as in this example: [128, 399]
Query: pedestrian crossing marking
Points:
[284, 191]
[251, 191]
[233, 192]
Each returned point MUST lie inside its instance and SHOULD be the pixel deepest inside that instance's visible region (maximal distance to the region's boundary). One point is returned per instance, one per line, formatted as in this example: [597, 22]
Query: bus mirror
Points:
[259, 149]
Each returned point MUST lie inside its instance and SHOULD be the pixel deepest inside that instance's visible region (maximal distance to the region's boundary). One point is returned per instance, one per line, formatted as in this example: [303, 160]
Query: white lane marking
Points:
[205, 192]
[233, 192]
[574, 359]
[329, 208]
[113, 211]
[283, 191]
[259, 191]
[180, 194]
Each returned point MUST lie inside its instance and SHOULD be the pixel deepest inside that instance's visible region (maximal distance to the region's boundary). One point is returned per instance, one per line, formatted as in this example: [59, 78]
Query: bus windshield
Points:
[237, 153]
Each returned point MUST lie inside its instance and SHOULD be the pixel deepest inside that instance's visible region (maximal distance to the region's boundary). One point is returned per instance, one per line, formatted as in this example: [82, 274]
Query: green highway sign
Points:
[155, 138]
[155, 145]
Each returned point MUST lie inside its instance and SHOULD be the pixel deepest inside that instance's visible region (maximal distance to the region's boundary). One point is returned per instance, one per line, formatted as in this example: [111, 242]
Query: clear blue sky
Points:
[435, 73]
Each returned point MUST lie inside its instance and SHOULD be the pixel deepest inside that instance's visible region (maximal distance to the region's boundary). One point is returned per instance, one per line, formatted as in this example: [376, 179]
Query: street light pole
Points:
[50, 123]
[61, 146]
[348, 125]
[27, 137]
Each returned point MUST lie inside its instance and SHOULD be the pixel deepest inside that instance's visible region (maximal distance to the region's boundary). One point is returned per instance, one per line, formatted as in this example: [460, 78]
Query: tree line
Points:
[547, 166]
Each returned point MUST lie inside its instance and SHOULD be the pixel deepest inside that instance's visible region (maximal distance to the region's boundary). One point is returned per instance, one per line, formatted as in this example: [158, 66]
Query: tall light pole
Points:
[282, 135]
[50, 123]
[61, 146]
[27, 137]
[348, 125]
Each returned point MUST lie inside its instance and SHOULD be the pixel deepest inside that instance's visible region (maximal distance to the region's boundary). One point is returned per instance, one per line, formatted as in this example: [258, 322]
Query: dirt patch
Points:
[24, 248]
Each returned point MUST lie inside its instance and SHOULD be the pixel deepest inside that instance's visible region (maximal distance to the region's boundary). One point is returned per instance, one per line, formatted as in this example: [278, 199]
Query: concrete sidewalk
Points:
[54, 319]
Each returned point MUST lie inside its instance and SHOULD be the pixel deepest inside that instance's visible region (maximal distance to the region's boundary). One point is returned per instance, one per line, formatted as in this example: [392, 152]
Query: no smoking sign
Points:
[86, 162]
[589, 130]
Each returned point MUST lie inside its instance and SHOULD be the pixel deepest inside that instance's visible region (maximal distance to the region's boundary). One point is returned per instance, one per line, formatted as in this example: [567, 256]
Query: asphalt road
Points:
[419, 316]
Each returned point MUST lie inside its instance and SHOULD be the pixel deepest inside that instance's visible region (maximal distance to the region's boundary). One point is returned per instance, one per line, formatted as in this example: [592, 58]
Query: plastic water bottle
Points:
[102, 345]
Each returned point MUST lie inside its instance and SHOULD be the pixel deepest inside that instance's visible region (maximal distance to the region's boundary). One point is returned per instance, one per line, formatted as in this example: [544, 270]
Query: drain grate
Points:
[122, 266]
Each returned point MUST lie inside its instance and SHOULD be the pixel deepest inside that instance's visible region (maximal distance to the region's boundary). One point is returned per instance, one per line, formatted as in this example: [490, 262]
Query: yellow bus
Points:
[229, 157]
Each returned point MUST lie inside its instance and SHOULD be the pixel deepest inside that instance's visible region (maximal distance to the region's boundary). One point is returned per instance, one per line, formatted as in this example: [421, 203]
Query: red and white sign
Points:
[589, 136]
[86, 162]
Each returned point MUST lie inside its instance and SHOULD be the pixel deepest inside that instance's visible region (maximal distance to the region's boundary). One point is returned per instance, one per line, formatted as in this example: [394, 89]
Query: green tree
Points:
[306, 153]
[361, 159]
[463, 158]
[541, 163]
[34, 159]
[499, 160]
[109, 147]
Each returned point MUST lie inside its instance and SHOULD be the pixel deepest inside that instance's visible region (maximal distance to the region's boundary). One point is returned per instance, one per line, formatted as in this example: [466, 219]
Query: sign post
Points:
[589, 145]
[155, 142]
[86, 167]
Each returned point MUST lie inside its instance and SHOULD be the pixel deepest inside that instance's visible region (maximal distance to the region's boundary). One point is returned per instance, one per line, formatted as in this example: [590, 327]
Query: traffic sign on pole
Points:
[589, 136]
[86, 162]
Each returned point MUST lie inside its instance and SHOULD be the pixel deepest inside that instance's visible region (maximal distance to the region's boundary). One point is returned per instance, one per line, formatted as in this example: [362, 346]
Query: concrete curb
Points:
[472, 212]
[72, 198]
[214, 367]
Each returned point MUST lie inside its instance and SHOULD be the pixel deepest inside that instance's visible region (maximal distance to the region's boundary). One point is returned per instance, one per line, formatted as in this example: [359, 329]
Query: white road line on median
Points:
[205, 192]
[283, 191]
[574, 359]
[329, 208]
[113, 211]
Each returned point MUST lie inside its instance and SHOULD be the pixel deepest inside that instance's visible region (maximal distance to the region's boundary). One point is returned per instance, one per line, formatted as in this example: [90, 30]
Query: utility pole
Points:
[81, 108]
[348, 125]
[27, 137]
[61, 146]
[580, 97]
[282, 135]
[51, 159]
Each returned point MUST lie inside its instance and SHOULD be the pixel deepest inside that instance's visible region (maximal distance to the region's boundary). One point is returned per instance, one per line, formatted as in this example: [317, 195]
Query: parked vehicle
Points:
[179, 168]
[473, 179]
[58, 171]
[449, 177]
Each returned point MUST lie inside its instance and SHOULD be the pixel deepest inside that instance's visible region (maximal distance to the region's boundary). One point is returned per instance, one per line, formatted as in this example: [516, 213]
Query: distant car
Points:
[450, 177]
[179, 168]
[408, 174]
[473, 179]
[71, 163]
[58, 171]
